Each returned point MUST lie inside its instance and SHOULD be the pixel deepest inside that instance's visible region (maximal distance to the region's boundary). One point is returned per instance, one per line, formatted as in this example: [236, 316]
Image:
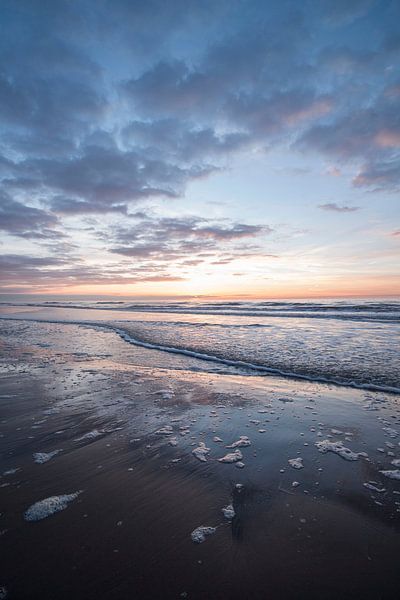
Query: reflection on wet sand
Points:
[82, 411]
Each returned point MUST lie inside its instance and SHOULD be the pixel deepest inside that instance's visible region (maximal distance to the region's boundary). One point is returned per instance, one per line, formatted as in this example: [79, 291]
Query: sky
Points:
[200, 148]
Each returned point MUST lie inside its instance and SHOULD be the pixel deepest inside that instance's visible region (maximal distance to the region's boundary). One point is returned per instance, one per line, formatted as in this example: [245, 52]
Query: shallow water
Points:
[347, 342]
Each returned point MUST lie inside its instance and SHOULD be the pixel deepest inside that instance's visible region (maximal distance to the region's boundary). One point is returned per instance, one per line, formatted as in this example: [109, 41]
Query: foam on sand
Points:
[337, 448]
[167, 430]
[242, 442]
[11, 471]
[43, 457]
[371, 486]
[200, 533]
[395, 474]
[228, 511]
[231, 457]
[296, 463]
[393, 433]
[47, 507]
[201, 452]
[91, 435]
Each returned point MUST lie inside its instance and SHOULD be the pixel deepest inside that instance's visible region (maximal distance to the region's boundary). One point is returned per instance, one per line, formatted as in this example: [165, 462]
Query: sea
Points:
[351, 342]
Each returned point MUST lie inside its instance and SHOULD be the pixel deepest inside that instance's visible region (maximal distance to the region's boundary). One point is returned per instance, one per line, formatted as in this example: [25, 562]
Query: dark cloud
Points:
[98, 131]
[180, 140]
[186, 241]
[333, 207]
[11, 262]
[367, 132]
[370, 135]
[26, 221]
[101, 179]
[379, 175]
[196, 228]
[40, 273]
[71, 206]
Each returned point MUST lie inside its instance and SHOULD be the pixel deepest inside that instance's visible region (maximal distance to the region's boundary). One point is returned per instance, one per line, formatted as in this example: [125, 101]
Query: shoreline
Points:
[102, 404]
[236, 364]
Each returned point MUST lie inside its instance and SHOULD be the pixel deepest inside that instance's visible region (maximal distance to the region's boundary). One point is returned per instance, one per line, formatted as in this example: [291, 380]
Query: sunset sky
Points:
[224, 148]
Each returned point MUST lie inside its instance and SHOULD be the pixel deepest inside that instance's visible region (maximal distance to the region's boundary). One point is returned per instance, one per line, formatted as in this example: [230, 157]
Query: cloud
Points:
[180, 140]
[333, 171]
[379, 175]
[26, 221]
[72, 206]
[333, 207]
[110, 105]
[100, 179]
[40, 273]
[97, 132]
[187, 241]
[370, 136]
[151, 249]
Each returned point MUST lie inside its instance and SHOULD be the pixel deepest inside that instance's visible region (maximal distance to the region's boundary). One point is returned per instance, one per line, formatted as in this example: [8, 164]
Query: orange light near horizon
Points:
[336, 287]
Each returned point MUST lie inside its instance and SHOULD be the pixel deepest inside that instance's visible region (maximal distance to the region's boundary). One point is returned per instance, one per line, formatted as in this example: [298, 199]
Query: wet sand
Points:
[125, 422]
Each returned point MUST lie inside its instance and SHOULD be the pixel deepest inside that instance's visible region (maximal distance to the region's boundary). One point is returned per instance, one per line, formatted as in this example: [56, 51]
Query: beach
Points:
[128, 442]
[199, 300]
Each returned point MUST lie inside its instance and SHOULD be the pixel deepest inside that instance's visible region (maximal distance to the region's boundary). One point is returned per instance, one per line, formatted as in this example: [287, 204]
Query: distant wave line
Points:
[378, 317]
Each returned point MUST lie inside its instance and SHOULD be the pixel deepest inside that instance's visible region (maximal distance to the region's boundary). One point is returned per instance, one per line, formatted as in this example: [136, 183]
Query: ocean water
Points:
[352, 342]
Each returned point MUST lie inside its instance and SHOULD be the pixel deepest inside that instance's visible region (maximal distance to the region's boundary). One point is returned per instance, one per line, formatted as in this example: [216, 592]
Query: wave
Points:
[383, 312]
[237, 364]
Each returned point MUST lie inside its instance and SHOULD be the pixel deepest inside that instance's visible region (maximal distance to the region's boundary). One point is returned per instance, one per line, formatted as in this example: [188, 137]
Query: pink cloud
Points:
[315, 110]
[387, 139]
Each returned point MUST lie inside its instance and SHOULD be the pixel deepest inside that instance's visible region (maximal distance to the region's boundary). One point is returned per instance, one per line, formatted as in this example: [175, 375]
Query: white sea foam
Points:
[242, 442]
[393, 433]
[296, 463]
[43, 457]
[373, 487]
[228, 512]
[167, 430]
[210, 357]
[337, 448]
[231, 457]
[11, 471]
[91, 435]
[47, 507]
[394, 474]
[201, 452]
[199, 534]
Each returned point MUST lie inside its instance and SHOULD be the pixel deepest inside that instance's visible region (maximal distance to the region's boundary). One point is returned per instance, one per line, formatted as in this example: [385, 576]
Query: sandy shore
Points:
[81, 411]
